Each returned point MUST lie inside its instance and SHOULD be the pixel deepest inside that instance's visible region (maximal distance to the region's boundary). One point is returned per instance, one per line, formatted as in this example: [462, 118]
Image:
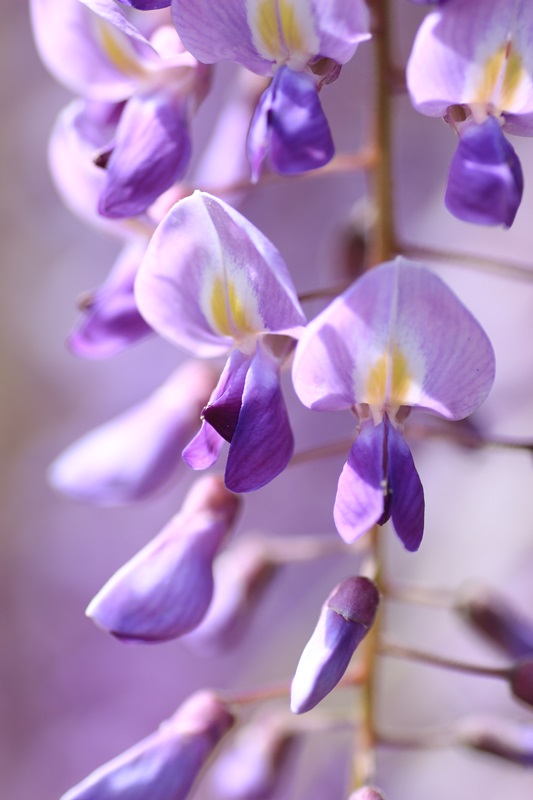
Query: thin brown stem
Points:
[412, 654]
[501, 266]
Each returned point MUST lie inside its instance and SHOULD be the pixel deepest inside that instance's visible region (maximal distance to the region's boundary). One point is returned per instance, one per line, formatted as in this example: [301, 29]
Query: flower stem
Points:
[412, 654]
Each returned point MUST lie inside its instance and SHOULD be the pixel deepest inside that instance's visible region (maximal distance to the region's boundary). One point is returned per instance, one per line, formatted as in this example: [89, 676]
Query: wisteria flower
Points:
[213, 284]
[301, 44]
[153, 83]
[472, 63]
[397, 339]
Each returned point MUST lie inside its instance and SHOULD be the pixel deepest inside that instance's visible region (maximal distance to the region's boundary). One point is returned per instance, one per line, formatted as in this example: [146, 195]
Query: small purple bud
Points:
[485, 183]
[521, 681]
[492, 616]
[165, 765]
[242, 574]
[367, 793]
[498, 737]
[345, 619]
[254, 767]
[165, 590]
[134, 454]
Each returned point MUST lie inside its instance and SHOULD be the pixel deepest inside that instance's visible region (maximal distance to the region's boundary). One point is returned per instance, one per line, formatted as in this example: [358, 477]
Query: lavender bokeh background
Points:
[72, 697]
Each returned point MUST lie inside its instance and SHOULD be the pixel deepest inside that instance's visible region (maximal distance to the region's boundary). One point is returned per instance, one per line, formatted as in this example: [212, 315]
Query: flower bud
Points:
[165, 590]
[498, 737]
[134, 454]
[521, 681]
[345, 619]
[166, 763]
[242, 574]
[492, 616]
[367, 793]
[254, 767]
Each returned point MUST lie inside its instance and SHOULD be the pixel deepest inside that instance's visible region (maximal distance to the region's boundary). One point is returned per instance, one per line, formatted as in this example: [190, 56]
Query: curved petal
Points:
[397, 337]
[204, 449]
[341, 25]
[210, 279]
[222, 411]
[405, 491]
[146, 5]
[485, 183]
[93, 56]
[290, 125]
[151, 151]
[360, 500]
[110, 321]
[218, 32]
[474, 53]
[262, 444]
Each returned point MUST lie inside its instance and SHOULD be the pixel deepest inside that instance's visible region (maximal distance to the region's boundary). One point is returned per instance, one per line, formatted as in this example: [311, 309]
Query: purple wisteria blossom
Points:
[302, 44]
[213, 284]
[472, 63]
[152, 86]
[397, 339]
[165, 765]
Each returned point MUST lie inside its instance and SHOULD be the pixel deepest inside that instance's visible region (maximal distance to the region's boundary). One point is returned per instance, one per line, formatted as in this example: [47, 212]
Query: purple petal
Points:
[210, 279]
[152, 150]
[133, 455]
[164, 765]
[93, 56]
[110, 321]
[262, 444]
[457, 49]
[360, 500]
[204, 449]
[165, 590]
[341, 25]
[218, 32]
[397, 337]
[222, 411]
[485, 183]
[146, 5]
[289, 124]
[405, 490]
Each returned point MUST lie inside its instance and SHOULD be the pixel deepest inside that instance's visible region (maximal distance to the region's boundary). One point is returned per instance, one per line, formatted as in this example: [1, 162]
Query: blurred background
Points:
[72, 697]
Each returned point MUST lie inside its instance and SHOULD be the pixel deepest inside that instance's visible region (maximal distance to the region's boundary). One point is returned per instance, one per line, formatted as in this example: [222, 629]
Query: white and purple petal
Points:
[210, 279]
[341, 25]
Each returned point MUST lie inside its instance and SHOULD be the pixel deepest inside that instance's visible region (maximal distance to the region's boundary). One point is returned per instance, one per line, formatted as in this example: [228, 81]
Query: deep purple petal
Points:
[262, 444]
[222, 411]
[110, 320]
[290, 125]
[360, 500]
[146, 5]
[405, 490]
[485, 183]
[151, 151]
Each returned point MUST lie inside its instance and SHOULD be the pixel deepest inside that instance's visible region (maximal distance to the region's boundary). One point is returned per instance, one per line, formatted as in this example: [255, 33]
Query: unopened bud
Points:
[345, 619]
[493, 617]
[254, 767]
[498, 737]
[165, 590]
[166, 763]
[134, 454]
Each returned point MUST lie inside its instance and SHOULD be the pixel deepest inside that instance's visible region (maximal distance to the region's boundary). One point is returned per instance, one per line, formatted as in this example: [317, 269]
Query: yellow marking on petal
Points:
[291, 32]
[389, 381]
[268, 28]
[118, 49]
[283, 30]
[228, 312]
[502, 74]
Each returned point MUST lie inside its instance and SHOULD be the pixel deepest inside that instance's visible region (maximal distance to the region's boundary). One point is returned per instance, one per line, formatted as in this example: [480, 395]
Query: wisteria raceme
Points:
[131, 158]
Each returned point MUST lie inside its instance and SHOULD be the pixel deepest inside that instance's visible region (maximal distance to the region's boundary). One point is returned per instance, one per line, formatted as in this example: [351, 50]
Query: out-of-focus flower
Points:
[301, 44]
[164, 591]
[367, 792]
[507, 740]
[497, 620]
[521, 681]
[254, 765]
[345, 619]
[471, 64]
[165, 765]
[133, 455]
[212, 283]
[397, 339]
[91, 47]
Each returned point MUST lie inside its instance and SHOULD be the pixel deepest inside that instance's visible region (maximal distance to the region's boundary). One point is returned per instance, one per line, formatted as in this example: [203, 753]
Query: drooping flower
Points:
[472, 64]
[213, 284]
[153, 84]
[166, 764]
[134, 454]
[165, 590]
[397, 339]
[345, 619]
[302, 44]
